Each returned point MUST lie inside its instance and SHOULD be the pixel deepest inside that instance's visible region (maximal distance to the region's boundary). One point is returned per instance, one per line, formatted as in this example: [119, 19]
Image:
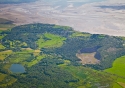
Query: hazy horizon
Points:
[93, 16]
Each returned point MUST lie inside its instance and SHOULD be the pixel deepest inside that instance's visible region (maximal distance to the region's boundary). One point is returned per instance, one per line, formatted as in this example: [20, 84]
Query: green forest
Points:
[49, 52]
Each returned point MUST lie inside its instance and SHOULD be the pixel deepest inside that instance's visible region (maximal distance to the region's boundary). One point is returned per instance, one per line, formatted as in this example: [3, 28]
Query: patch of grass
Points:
[50, 40]
[118, 67]
[66, 62]
[36, 52]
[25, 51]
[123, 38]
[116, 85]
[1, 46]
[2, 76]
[77, 34]
[19, 57]
[35, 60]
[16, 43]
[6, 67]
[89, 77]
[5, 54]
[63, 27]
[1, 36]
[8, 80]
[101, 36]
[122, 84]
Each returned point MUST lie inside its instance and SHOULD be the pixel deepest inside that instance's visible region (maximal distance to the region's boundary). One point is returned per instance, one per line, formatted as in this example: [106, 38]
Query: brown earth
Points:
[87, 58]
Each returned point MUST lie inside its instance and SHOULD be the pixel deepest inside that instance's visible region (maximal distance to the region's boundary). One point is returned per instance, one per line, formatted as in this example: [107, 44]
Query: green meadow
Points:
[118, 68]
[2, 76]
[35, 60]
[78, 34]
[89, 78]
[50, 40]
[62, 27]
[5, 54]
[6, 80]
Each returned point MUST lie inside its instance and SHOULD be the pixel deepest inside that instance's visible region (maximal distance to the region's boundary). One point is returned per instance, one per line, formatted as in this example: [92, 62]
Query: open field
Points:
[122, 84]
[118, 69]
[8, 81]
[2, 76]
[50, 40]
[36, 60]
[5, 54]
[92, 77]
[76, 34]
[1, 46]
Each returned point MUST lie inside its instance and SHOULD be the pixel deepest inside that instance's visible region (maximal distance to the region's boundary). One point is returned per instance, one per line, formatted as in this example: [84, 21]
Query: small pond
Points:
[17, 68]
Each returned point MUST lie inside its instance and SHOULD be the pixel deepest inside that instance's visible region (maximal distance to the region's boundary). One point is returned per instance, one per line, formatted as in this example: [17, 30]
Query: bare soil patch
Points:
[87, 58]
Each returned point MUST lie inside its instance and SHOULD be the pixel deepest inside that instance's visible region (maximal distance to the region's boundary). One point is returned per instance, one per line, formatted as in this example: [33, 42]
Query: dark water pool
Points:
[17, 68]
[91, 50]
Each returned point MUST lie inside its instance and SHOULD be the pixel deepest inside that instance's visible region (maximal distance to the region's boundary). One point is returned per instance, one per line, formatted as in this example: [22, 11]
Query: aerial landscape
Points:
[62, 44]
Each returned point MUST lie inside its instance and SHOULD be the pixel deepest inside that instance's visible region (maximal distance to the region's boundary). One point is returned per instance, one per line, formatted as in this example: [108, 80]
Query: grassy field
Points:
[76, 34]
[19, 58]
[27, 57]
[35, 60]
[50, 40]
[5, 54]
[1, 36]
[118, 69]
[1, 46]
[89, 78]
[8, 80]
[63, 27]
[66, 62]
[2, 76]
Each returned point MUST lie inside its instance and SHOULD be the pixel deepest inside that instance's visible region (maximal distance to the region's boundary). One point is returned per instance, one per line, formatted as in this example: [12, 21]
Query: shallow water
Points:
[17, 68]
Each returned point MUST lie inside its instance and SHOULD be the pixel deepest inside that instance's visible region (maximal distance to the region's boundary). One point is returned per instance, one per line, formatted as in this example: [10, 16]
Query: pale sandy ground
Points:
[87, 58]
[86, 18]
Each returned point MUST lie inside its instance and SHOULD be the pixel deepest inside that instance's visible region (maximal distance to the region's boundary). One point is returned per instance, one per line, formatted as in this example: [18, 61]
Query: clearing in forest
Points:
[87, 58]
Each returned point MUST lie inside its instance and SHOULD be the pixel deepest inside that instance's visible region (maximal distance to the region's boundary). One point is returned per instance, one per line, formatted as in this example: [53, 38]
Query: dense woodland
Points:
[57, 47]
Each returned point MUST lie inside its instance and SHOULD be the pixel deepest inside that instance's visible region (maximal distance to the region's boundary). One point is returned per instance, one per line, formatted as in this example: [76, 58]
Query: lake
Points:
[17, 68]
